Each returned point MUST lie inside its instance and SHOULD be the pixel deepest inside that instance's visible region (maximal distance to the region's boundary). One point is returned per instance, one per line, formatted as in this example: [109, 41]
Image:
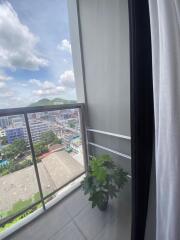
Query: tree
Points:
[18, 147]
[8, 152]
[58, 141]
[3, 140]
[40, 148]
[72, 125]
[50, 138]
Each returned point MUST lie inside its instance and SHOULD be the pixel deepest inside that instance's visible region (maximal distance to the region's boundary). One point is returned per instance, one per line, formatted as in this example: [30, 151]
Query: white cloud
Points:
[23, 84]
[48, 92]
[6, 93]
[48, 88]
[64, 46]
[60, 88]
[44, 85]
[35, 82]
[2, 84]
[3, 79]
[48, 85]
[17, 43]
[67, 79]
[9, 93]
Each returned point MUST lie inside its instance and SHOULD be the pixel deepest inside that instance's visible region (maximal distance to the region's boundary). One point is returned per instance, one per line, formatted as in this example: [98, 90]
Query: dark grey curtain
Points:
[142, 113]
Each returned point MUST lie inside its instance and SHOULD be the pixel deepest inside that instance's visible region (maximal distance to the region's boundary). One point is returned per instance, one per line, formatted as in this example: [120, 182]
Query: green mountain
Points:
[48, 102]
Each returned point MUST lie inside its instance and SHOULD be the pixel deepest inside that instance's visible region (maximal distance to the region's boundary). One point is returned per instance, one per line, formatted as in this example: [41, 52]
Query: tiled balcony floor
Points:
[74, 219]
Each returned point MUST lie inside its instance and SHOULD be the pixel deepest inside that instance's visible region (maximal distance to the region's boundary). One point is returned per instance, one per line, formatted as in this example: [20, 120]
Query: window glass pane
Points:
[58, 147]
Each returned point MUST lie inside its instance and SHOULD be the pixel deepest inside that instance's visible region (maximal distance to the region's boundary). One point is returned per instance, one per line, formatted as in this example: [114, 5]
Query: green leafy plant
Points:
[50, 137]
[40, 148]
[3, 140]
[103, 181]
[18, 207]
[17, 148]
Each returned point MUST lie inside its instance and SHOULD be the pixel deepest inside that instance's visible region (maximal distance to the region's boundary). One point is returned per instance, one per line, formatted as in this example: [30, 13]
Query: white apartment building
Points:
[2, 133]
[17, 121]
[4, 122]
[37, 128]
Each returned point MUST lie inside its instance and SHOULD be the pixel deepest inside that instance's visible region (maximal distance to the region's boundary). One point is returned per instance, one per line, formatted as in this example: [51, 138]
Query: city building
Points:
[17, 121]
[76, 144]
[37, 128]
[18, 130]
[2, 133]
[4, 122]
[14, 133]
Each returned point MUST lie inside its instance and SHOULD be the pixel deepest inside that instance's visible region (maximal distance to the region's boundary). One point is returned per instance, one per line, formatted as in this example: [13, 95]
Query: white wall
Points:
[101, 55]
[105, 40]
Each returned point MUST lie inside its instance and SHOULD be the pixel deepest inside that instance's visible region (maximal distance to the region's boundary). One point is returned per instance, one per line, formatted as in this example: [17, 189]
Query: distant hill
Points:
[48, 102]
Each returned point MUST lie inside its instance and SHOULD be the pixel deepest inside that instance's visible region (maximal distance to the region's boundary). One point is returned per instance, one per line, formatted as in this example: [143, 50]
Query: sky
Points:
[35, 52]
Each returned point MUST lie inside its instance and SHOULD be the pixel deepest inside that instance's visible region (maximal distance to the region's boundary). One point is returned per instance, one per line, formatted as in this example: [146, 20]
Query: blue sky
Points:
[35, 52]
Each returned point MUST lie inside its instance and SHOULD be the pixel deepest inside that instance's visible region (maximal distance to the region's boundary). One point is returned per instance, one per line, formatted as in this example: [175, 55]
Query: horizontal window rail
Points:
[27, 124]
[23, 110]
[108, 133]
[110, 150]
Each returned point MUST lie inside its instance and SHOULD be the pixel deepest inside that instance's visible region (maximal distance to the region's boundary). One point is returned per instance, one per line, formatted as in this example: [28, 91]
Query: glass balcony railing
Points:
[42, 149]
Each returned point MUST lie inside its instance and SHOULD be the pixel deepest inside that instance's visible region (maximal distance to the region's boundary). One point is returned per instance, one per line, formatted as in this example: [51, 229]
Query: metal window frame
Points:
[25, 111]
[124, 137]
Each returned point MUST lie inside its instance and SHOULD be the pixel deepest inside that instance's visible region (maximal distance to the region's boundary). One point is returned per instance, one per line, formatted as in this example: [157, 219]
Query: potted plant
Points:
[103, 181]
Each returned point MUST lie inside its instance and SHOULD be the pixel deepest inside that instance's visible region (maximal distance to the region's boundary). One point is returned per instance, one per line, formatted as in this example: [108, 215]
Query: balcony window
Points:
[40, 151]
[37, 163]
[58, 114]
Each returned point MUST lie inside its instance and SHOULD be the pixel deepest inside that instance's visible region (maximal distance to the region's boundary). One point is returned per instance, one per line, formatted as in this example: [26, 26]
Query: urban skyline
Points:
[57, 147]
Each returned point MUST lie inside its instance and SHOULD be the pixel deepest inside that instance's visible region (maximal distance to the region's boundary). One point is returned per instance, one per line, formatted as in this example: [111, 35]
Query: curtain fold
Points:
[165, 35]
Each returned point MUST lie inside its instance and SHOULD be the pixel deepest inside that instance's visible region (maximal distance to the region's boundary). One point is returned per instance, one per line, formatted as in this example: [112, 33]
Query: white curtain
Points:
[165, 33]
